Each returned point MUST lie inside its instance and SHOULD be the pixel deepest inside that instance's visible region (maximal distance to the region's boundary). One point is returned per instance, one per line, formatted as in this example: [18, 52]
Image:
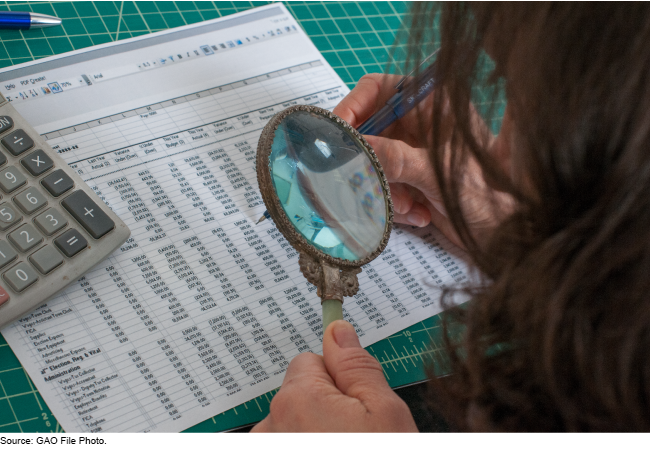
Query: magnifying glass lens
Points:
[328, 186]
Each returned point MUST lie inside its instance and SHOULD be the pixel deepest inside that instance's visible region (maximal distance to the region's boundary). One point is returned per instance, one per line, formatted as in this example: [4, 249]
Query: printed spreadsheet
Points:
[201, 309]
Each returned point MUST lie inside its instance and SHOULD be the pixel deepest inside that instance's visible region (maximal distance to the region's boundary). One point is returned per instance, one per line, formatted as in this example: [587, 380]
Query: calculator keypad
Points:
[88, 214]
[8, 216]
[57, 183]
[17, 142]
[49, 221]
[48, 217]
[46, 259]
[7, 253]
[4, 296]
[6, 123]
[37, 163]
[30, 200]
[71, 242]
[20, 276]
[25, 238]
[11, 178]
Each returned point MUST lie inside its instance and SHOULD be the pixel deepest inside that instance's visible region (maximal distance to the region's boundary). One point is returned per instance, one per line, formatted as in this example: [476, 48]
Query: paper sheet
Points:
[201, 309]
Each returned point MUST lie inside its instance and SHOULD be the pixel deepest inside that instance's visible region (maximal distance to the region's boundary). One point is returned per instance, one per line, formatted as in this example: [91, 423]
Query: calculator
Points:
[53, 227]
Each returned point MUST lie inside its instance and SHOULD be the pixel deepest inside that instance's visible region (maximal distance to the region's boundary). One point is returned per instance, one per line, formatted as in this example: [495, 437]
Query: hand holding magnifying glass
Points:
[326, 191]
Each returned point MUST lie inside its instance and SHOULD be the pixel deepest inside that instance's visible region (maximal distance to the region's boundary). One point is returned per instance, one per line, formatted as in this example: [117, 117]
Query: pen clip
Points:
[400, 84]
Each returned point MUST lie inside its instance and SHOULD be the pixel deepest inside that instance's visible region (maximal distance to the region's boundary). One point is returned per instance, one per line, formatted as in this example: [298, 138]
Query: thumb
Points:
[355, 372]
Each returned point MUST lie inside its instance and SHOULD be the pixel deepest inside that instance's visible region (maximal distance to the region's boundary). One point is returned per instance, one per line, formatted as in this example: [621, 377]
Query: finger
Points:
[370, 94]
[403, 163]
[264, 426]
[401, 196]
[306, 383]
[418, 215]
[443, 224]
[355, 372]
[306, 365]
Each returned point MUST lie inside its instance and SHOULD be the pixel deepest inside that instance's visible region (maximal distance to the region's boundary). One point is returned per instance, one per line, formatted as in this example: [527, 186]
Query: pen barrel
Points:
[415, 93]
[378, 122]
[400, 104]
[15, 20]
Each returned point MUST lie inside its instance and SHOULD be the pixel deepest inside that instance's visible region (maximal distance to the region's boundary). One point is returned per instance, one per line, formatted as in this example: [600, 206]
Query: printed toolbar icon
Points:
[54, 86]
[230, 43]
[222, 45]
[207, 50]
[46, 90]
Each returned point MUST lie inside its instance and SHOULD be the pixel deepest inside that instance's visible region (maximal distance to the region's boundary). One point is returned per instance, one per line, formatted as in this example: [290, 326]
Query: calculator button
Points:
[71, 242]
[7, 253]
[30, 200]
[88, 214]
[6, 123]
[11, 178]
[8, 216]
[25, 237]
[17, 142]
[57, 183]
[4, 296]
[46, 259]
[37, 163]
[20, 276]
[49, 221]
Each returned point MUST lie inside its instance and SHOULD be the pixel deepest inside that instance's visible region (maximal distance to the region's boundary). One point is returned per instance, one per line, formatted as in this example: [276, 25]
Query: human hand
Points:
[342, 391]
[403, 150]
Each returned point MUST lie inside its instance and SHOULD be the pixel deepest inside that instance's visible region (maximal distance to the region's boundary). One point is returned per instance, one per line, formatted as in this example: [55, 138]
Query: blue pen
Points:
[19, 20]
[407, 97]
[400, 104]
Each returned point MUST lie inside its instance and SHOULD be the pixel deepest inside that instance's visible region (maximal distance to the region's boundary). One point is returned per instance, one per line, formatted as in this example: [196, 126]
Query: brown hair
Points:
[557, 336]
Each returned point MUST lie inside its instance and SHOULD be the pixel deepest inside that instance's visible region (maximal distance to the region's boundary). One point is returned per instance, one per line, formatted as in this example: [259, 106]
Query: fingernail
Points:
[415, 220]
[398, 206]
[344, 335]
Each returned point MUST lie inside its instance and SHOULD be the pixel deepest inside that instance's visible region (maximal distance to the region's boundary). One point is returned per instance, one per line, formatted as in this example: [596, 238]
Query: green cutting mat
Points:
[355, 38]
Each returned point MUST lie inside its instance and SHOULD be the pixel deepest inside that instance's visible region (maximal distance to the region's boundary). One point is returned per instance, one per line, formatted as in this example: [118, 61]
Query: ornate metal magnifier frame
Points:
[334, 278]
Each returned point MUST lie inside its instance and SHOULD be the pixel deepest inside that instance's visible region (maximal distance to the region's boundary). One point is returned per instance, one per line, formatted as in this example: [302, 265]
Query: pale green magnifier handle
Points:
[332, 310]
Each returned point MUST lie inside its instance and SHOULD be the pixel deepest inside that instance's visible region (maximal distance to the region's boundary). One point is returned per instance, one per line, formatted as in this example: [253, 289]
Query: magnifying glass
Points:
[327, 193]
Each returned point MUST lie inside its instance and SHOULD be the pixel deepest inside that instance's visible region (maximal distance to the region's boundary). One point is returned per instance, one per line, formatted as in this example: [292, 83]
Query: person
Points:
[554, 212]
